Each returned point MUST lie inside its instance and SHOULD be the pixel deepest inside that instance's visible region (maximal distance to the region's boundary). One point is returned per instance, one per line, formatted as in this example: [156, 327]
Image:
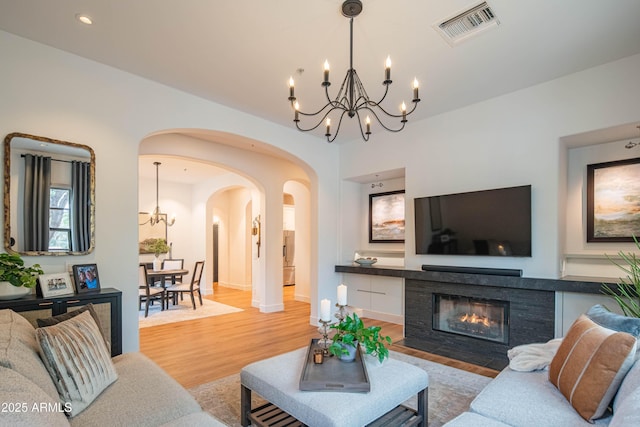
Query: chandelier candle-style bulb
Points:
[291, 87]
[367, 121]
[326, 72]
[403, 108]
[387, 70]
[296, 107]
[415, 89]
[328, 127]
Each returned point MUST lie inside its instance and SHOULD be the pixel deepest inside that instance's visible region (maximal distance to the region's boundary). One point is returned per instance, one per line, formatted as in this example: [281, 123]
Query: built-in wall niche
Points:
[355, 199]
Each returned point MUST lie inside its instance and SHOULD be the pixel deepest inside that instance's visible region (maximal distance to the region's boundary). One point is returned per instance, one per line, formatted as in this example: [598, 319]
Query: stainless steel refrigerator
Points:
[288, 257]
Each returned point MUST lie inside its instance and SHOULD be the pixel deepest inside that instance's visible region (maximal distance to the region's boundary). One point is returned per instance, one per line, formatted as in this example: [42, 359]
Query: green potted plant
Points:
[350, 332]
[159, 246]
[16, 279]
[627, 291]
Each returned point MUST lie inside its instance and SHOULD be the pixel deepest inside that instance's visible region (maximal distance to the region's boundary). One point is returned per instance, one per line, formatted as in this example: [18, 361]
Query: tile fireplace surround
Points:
[530, 303]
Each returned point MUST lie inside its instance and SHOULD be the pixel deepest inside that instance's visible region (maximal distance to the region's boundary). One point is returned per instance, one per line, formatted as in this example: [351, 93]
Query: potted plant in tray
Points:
[350, 332]
[16, 279]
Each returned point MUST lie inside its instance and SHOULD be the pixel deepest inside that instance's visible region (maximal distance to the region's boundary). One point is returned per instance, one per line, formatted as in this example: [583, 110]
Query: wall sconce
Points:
[255, 231]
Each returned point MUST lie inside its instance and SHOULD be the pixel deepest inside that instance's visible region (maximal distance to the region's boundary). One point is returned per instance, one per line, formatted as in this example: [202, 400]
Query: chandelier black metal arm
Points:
[352, 98]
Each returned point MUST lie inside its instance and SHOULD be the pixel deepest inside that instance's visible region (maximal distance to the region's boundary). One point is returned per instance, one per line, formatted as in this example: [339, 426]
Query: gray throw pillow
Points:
[605, 318]
[78, 361]
[50, 321]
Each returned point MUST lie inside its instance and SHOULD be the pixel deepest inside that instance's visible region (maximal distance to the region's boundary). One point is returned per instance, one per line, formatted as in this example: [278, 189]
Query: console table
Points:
[107, 303]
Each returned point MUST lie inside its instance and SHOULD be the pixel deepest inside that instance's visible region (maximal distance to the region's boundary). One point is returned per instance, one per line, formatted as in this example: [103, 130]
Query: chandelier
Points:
[352, 98]
[157, 216]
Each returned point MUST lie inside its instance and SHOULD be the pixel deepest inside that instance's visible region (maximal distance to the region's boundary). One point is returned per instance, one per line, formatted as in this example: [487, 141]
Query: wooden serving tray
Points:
[334, 374]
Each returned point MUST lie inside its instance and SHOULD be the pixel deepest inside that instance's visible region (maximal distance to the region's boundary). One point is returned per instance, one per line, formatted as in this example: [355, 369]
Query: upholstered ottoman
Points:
[277, 380]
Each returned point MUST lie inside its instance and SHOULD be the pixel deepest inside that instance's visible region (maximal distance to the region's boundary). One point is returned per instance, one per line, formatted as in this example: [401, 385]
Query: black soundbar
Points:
[473, 270]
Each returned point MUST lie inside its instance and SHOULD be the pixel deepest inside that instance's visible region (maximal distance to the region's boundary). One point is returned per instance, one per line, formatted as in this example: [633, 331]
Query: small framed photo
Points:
[86, 277]
[55, 284]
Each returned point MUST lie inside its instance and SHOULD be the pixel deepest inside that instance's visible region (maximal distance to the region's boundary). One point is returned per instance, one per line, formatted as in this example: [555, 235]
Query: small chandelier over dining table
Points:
[352, 99]
[157, 216]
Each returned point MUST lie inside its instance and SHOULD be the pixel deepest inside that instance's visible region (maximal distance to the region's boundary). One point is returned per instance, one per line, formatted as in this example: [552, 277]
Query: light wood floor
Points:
[199, 351]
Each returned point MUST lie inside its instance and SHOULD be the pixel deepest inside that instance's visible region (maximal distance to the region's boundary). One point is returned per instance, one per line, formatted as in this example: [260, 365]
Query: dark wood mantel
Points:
[586, 285]
[531, 302]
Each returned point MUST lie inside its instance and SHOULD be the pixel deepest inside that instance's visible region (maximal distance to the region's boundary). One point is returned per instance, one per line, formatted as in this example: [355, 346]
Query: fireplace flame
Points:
[475, 319]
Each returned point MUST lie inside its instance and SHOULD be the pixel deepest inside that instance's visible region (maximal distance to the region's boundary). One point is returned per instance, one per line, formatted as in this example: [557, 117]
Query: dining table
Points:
[162, 276]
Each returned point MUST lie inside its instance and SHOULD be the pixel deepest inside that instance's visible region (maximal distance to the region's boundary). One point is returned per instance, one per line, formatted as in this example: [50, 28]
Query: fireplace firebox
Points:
[480, 318]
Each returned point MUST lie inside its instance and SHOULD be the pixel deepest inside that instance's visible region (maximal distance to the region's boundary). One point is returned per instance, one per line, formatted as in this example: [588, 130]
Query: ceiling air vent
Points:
[467, 23]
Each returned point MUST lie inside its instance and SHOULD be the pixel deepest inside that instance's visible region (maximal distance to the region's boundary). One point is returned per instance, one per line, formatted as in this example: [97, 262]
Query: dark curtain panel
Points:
[37, 181]
[80, 206]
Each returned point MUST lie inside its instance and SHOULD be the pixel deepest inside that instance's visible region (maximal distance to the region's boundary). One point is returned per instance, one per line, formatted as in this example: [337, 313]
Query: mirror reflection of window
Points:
[59, 229]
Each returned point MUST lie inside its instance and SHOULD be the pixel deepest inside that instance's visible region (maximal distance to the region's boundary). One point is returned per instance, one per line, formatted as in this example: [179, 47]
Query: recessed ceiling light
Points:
[85, 19]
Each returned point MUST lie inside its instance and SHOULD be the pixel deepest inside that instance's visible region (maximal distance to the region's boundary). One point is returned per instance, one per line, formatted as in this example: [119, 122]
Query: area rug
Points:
[183, 311]
[451, 391]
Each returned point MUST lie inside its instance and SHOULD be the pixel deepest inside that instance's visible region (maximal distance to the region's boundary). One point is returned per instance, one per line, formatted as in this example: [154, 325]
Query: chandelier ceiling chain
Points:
[352, 98]
[157, 216]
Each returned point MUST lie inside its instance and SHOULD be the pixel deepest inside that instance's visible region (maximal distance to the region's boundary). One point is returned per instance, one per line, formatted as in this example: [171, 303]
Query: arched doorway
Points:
[253, 181]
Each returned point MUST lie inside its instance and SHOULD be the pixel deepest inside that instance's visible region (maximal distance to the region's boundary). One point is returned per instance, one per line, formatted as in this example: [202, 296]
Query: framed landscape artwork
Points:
[148, 234]
[386, 217]
[613, 201]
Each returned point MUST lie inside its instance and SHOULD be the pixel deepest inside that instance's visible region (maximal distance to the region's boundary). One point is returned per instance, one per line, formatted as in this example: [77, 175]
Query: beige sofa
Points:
[529, 399]
[143, 394]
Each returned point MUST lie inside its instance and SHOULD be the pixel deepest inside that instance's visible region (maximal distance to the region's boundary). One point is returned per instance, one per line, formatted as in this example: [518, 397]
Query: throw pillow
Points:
[615, 321]
[50, 321]
[77, 359]
[590, 364]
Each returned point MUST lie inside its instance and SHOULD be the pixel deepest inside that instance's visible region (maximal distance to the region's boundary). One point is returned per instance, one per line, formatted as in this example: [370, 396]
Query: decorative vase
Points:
[157, 264]
[351, 356]
[8, 291]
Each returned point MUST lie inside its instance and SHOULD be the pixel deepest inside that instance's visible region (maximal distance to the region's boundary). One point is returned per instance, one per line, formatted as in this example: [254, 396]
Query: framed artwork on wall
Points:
[55, 284]
[148, 234]
[613, 201]
[86, 277]
[386, 217]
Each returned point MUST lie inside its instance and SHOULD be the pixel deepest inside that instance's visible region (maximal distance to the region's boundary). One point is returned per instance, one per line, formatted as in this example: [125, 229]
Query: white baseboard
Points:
[239, 286]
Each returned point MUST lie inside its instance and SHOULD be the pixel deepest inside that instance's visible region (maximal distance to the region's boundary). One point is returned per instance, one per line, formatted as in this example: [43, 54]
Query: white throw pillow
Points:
[77, 359]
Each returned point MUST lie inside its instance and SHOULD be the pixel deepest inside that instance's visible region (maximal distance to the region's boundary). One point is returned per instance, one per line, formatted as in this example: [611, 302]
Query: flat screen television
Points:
[490, 222]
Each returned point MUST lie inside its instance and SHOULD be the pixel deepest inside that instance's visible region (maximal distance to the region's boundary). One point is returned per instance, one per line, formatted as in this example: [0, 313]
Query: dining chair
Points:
[148, 293]
[173, 264]
[190, 288]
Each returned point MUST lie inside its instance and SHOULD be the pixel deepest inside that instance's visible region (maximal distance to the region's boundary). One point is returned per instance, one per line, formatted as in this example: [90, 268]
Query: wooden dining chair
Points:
[173, 264]
[148, 293]
[190, 288]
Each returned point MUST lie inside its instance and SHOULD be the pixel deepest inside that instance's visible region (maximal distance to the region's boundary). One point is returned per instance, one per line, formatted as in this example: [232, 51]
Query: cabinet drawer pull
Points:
[73, 302]
[371, 292]
[42, 304]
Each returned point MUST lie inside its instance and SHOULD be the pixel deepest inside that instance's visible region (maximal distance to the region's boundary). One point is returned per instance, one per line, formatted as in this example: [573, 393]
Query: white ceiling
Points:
[177, 169]
[241, 53]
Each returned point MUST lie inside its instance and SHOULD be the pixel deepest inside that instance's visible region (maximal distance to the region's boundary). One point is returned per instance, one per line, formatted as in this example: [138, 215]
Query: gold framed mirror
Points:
[49, 196]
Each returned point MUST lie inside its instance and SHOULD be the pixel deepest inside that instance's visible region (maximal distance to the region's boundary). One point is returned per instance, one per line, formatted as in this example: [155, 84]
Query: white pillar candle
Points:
[342, 295]
[325, 310]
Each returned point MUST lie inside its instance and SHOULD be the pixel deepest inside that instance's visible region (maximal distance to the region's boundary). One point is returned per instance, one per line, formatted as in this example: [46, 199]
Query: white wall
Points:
[51, 93]
[506, 141]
